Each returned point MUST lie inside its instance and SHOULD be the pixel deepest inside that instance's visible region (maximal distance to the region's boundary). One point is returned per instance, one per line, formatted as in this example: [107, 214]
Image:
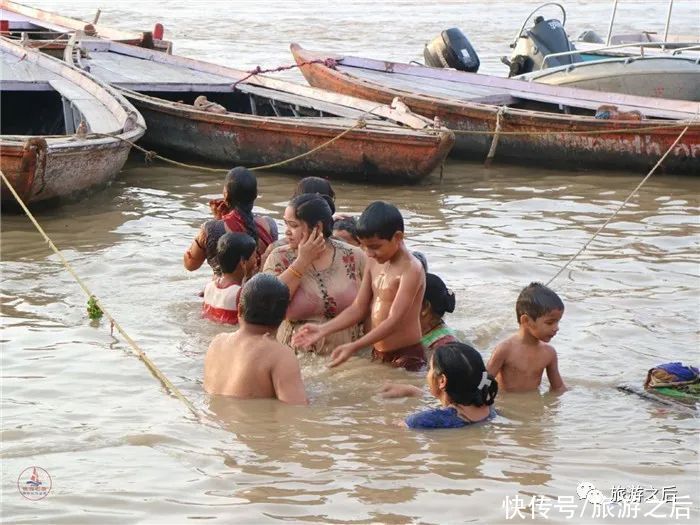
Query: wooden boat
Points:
[259, 120]
[542, 116]
[673, 77]
[50, 115]
[50, 31]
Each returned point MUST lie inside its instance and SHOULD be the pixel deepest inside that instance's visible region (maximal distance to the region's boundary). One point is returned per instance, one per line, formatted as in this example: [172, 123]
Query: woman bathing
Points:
[234, 215]
[323, 274]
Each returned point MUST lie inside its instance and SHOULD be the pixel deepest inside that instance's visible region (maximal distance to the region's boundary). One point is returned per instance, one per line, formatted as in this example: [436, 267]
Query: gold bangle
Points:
[295, 272]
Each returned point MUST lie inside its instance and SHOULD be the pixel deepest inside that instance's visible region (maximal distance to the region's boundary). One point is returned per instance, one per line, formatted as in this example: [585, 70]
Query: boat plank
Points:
[589, 101]
[121, 67]
[98, 117]
[409, 83]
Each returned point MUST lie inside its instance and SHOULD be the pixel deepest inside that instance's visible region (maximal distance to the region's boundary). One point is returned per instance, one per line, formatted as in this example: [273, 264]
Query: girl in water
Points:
[458, 379]
[437, 300]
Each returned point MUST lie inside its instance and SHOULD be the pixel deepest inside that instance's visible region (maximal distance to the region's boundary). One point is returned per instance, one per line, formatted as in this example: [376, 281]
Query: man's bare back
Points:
[518, 365]
[251, 364]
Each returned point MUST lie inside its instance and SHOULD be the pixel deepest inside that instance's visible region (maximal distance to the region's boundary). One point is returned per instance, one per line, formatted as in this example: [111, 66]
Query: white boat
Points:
[543, 53]
[62, 131]
[673, 77]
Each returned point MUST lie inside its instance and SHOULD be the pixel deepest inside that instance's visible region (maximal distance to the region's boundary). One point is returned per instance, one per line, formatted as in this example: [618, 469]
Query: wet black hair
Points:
[242, 190]
[316, 185]
[232, 248]
[348, 224]
[264, 300]
[465, 370]
[422, 259]
[441, 299]
[379, 219]
[312, 209]
[537, 300]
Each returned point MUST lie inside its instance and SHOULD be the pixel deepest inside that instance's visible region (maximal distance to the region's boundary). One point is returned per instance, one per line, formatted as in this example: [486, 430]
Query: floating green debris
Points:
[93, 310]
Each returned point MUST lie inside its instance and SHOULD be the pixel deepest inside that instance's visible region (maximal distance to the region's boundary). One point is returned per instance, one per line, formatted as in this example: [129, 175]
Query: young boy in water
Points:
[235, 254]
[518, 362]
[391, 293]
[250, 363]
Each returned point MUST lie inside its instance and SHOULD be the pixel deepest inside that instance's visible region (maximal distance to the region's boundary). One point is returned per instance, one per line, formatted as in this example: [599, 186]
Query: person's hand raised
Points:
[311, 247]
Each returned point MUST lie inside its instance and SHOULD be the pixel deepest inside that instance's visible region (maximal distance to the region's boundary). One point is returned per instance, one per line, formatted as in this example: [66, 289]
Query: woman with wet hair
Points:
[322, 273]
[234, 214]
[437, 300]
[312, 185]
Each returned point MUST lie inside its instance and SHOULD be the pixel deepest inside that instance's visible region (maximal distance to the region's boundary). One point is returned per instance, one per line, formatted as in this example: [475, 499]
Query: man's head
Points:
[264, 301]
[380, 230]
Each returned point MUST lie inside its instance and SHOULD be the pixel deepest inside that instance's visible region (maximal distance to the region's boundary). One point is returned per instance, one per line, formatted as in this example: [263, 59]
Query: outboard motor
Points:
[451, 49]
[542, 39]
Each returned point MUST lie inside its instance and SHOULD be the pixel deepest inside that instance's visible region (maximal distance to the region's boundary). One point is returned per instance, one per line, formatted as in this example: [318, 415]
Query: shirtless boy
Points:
[251, 363]
[391, 293]
[518, 362]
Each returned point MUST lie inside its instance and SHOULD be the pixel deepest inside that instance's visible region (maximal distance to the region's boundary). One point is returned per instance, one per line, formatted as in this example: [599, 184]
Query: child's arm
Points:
[389, 390]
[286, 379]
[353, 314]
[497, 359]
[556, 383]
[405, 296]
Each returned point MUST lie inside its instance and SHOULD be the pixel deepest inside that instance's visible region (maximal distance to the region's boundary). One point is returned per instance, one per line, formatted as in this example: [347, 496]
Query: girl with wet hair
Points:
[234, 214]
[459, 380]
[322, 273]
[437, 300]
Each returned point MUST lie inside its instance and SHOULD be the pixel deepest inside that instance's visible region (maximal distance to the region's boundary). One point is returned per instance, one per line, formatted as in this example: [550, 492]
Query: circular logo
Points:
[34, 483]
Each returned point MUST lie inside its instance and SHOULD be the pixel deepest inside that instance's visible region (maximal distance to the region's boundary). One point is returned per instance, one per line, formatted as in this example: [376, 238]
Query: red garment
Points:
[411, 357]
[221, 302]
[235, 223]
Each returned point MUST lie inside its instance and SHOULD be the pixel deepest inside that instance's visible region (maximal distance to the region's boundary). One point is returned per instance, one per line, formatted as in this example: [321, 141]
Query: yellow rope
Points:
[634, 191]
[140, 353]
[154, 155]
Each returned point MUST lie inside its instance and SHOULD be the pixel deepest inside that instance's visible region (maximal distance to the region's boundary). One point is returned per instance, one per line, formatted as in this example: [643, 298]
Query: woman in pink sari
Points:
[323, 274]
[233, 214]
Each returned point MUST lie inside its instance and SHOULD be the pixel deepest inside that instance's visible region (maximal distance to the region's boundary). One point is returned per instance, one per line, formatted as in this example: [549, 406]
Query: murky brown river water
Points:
[120, 450]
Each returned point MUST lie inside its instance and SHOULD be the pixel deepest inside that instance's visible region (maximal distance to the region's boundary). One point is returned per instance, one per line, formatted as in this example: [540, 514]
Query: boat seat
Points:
[97, 116]
[280, 96]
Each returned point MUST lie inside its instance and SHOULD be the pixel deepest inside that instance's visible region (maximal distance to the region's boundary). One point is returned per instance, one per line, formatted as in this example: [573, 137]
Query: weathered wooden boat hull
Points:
[97, 126]
[41, 172]
[254, 141]
[546, 138]
[262, 120]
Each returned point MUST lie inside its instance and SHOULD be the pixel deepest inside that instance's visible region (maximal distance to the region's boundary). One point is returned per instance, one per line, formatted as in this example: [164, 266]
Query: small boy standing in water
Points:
[235, 254]
[518, 362]
[250, 363]
[391, 293]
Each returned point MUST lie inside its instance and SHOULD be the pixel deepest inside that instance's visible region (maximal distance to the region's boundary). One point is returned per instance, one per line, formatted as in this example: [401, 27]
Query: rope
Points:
[634, 191]
[328, 62]
[496, 134]
[140, 353]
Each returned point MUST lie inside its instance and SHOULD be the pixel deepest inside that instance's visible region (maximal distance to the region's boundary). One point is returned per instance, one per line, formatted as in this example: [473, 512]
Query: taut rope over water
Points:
[634, 192]
[139, 353]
